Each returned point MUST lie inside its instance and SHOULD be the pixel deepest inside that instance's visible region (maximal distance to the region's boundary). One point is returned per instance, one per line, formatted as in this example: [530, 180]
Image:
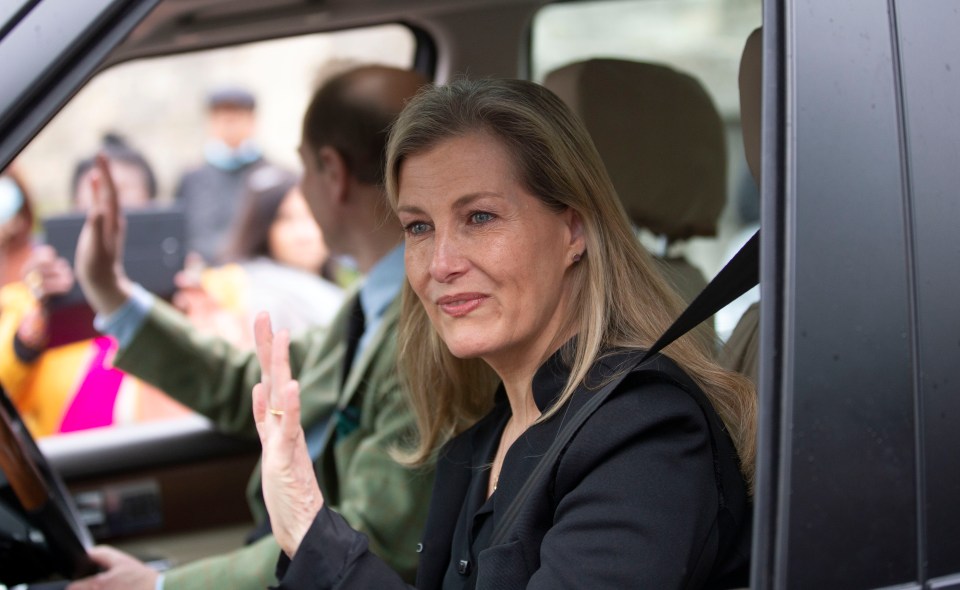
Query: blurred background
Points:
[158, 105]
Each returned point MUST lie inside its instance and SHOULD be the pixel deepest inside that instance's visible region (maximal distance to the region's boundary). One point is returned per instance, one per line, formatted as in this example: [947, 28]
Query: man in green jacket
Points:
[354, 411]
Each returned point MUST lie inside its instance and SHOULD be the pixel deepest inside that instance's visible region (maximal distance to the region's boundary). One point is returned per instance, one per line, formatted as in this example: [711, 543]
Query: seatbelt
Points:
[739, 275]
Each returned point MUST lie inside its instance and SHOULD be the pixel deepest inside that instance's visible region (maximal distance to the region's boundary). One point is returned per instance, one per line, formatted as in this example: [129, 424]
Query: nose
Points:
[448, 261]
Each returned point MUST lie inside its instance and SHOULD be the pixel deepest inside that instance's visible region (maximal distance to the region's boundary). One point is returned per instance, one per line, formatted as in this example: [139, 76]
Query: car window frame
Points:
[58, 44]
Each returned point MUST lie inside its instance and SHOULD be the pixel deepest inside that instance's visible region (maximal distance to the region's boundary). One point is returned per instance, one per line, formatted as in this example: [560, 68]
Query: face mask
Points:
[346, 261]
[11, 199]
[219, 155]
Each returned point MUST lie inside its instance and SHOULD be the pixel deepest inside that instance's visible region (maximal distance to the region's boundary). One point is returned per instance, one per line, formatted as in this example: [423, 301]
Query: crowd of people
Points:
[272, 257]
[401, 419]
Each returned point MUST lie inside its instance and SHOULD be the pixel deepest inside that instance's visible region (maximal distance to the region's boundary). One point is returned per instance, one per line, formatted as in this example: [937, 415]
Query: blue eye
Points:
[480, 217]
[416, 228]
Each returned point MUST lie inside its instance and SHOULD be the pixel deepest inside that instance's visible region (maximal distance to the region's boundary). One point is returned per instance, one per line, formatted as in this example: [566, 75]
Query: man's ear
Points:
[333, 169]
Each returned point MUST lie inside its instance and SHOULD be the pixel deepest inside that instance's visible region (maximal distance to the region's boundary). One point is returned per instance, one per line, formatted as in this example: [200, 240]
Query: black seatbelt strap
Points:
[739, 275]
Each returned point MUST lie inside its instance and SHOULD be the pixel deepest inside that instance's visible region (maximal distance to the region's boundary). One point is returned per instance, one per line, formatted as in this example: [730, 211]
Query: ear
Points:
[578, 239]
[333, 169]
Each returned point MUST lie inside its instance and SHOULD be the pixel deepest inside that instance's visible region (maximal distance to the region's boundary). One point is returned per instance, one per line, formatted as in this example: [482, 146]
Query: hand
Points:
[191, 277]
[121, 572]
[290, 487]
[99, 260]
[47, 274]
[205, 311]
[191, 298]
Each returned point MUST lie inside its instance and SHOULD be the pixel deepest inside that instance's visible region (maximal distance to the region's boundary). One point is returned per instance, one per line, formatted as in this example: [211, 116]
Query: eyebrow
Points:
[460, 203]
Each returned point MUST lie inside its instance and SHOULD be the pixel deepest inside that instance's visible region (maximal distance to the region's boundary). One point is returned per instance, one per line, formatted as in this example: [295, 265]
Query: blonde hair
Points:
[618, 297]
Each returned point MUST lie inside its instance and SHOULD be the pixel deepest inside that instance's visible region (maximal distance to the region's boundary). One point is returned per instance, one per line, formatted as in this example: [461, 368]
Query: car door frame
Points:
[854, 443]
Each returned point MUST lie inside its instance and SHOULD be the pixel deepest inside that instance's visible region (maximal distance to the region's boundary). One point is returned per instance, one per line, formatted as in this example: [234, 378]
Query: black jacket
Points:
[647, 494]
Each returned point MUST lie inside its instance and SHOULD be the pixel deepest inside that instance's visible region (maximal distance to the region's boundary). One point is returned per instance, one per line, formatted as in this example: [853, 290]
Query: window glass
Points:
[159, 104]
[703, 38]
[159, 107]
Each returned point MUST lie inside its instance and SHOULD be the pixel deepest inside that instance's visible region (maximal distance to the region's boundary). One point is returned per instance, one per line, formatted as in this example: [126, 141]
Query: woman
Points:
[278, 263]
[522, 268]
[73, 386]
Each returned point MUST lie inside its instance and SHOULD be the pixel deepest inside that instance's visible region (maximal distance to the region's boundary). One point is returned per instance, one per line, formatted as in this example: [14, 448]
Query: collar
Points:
[551, 377]
[548, 381]
[382, 285]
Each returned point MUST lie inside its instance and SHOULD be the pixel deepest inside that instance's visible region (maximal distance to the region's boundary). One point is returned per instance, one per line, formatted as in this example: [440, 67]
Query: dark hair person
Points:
[274, 212]
[130, 169]
[522, 269]
[250, 236]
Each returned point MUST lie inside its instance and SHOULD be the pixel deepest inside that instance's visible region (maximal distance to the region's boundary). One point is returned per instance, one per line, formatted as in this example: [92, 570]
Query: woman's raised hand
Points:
[290, 487]
[99, 259]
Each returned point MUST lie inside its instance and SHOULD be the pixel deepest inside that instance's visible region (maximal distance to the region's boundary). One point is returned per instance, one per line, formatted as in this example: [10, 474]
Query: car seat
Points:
[740, 353]
[662, 141]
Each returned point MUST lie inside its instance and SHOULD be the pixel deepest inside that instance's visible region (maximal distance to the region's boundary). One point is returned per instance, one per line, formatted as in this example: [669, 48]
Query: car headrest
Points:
[751, 73]
[660, 137]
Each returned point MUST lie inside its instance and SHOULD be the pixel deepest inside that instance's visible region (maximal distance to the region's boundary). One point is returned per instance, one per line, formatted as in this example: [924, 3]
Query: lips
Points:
[460, 304]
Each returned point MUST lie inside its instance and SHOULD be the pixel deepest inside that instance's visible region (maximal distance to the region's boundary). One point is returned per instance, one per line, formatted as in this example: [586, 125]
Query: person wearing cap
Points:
[211, 192]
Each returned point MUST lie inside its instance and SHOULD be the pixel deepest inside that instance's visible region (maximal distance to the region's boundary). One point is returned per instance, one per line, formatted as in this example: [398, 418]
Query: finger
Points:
[290, 403]
[183, 280]
[280, 368]
[42, 255]
[107, 195]
[193, 261]
[62, 266]
[192, 273]
[45, 251]
[105, 556]
[263, 338]
[260, 410]
[181, 301]
[95, 214]
[55, 269]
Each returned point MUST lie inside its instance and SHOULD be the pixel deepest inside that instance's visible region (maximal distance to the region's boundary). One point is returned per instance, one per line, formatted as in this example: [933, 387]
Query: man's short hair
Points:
[354, 125]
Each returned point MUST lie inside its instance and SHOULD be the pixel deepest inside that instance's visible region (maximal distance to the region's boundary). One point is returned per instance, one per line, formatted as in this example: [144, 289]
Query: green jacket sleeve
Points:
[248, 568]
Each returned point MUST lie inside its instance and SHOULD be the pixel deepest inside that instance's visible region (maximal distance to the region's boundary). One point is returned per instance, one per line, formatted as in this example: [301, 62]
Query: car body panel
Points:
[930, 90]
[856, 273]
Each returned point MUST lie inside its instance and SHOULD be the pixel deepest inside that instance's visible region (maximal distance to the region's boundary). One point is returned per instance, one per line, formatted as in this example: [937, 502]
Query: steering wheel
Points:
[45, 501]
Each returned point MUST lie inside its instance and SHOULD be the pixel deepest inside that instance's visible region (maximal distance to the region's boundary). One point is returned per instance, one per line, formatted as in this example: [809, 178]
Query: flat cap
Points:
[231, 96]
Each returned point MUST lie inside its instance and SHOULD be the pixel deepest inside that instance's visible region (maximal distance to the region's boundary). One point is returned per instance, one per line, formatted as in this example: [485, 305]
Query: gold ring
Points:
[34, 282]
[275, 412]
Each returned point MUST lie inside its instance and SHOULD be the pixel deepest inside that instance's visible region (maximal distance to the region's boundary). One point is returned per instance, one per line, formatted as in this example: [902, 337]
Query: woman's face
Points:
[487, 259]
[294, 237]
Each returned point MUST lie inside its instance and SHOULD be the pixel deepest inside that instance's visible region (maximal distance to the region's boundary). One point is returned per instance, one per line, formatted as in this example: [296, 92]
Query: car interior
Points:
[678, 111]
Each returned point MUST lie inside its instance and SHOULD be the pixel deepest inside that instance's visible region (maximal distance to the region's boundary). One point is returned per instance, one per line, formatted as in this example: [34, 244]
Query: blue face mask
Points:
[346, 261]
[220, 155]
[11, 199]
